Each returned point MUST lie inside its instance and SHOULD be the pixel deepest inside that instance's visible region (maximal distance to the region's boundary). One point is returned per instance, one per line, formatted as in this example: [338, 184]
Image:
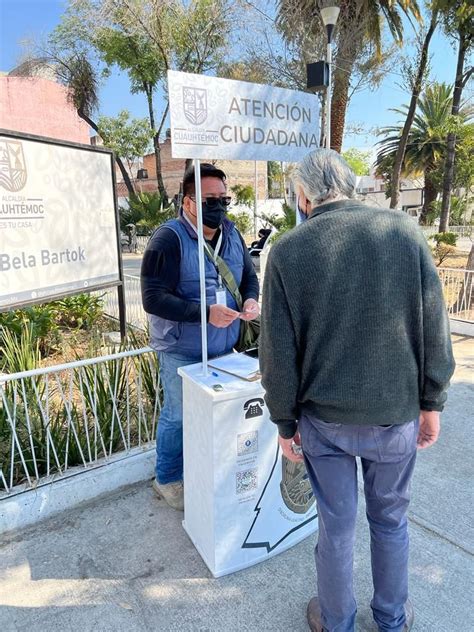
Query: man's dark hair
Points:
[207, 171]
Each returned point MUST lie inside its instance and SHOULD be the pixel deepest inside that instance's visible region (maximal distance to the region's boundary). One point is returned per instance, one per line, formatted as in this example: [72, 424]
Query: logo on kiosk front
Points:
[12, 165]
[195, 105]
[253, 408]
[295, 486]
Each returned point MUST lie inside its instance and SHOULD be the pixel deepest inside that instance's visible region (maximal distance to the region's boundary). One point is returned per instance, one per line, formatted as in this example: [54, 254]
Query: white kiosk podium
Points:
[243, 501]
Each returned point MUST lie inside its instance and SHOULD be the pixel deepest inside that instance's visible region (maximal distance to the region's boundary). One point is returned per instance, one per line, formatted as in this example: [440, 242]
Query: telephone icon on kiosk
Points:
[253, 408]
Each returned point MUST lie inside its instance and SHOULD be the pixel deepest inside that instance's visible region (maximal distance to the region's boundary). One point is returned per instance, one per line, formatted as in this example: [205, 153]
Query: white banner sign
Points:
[236, 120]
[57, 220]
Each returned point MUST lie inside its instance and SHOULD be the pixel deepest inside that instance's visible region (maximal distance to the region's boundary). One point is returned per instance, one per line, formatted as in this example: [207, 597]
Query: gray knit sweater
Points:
[354, 325]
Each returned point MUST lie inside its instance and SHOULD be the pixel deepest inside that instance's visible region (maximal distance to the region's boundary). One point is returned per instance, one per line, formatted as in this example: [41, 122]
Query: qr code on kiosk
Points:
[247, 443]
[246, 481]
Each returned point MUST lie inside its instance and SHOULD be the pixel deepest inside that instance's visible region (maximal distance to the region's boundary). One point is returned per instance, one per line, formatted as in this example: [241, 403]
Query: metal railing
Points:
[142, 241]
[460, 231]
[458, 292]
[457, 287]
[74, 414]
[136, 315]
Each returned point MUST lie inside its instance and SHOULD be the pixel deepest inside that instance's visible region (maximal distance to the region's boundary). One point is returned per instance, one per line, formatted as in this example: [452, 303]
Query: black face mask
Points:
[213, 217]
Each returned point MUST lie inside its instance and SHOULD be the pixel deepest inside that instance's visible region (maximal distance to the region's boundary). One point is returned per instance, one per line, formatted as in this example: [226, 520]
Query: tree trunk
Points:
[340, 98]
[156, 146]
[430, 194]
[342, 71]
[400, 155]
[118, 160]
[448, 176]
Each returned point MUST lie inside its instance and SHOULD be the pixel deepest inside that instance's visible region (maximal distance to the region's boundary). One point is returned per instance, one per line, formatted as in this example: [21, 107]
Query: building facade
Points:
[38, 105]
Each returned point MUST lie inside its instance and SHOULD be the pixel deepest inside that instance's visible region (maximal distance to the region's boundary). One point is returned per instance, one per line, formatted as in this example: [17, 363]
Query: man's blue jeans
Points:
[169, 433]
[388, 457]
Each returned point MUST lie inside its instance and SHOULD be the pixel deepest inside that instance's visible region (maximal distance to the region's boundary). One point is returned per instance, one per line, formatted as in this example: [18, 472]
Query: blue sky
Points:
[26, 19]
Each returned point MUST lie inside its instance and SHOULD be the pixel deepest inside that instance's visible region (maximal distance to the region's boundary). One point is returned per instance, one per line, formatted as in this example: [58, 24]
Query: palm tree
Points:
[426, 143]
[360, 24]
[76, 73]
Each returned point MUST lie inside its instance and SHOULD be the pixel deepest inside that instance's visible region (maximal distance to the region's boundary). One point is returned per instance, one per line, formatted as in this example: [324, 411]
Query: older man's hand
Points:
[429, 429]
[291, 448]
[251, 310]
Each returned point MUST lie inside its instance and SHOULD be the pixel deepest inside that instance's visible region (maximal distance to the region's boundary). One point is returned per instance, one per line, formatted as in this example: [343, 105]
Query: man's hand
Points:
[222, 316]
[289, 447]
[428, 431]
[251, 310]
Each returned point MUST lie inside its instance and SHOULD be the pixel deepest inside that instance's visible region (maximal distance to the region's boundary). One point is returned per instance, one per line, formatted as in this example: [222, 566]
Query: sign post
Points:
[255, 204]
[202, 270]
[247, 502]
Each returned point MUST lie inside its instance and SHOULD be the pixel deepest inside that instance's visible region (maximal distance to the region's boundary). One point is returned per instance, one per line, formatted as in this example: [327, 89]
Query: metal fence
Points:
[460, 231]
[458, 292]
[54, 418]
[457, 287]
[142, 242]
[136, 316]
[74, 414]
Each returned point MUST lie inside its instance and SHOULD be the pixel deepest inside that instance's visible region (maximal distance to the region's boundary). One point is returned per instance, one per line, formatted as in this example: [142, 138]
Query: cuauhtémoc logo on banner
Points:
[195, 110]
[13, 173]
[17, 210]
[195, 105]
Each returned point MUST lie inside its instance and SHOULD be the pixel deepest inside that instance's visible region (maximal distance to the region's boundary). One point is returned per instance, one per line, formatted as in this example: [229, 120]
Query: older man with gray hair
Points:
[356, 358]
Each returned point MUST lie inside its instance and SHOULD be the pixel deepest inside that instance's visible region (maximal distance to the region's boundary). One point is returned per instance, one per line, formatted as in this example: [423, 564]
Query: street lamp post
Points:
[329, 16]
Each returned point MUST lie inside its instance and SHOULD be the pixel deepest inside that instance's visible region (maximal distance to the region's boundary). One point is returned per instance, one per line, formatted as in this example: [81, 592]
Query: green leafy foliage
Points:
[147, 211]
[358, 161]
[41, 328]
[283, 223]
[112, 401]
[243, 194]
[19, 350]
[445, 238]
[426, 141]
[243, 222]
[80, 311]
[426, 147]
[40, 323]
[128, 138]
[457, 214]
[275, 178]
[444, 246]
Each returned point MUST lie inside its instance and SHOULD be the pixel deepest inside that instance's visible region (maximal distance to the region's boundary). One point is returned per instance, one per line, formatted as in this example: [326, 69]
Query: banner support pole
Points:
[202, 269]
[255, 204]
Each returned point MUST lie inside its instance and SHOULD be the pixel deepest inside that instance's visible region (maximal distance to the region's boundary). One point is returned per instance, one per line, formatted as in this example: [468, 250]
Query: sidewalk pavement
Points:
[124, 563]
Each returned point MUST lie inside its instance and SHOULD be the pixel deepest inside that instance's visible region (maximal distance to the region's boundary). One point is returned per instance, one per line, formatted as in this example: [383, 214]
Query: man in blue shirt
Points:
[171, 297]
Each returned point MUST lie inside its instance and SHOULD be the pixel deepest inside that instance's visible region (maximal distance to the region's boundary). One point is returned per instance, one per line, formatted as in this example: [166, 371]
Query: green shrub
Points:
[242, 221]
[457, 213]
[81, 311]
[19, 352]
[244, 194]
[445, 238]
[445, 246]
[282, 223]
[39, 319]
[146, 211]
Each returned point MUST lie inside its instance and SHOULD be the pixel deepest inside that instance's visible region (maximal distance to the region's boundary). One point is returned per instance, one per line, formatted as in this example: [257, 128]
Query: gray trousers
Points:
[388, 457]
